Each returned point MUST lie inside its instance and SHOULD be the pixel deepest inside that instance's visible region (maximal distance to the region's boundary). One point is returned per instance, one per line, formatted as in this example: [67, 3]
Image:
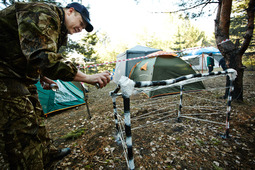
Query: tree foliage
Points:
[189, 36]
[238, 24]
[84, 47]
[231, 51]
[181, 34]
[10, 2]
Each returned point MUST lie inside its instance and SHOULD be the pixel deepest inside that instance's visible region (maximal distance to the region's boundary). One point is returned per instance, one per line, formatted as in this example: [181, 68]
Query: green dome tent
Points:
[68, 96]
[163, 66]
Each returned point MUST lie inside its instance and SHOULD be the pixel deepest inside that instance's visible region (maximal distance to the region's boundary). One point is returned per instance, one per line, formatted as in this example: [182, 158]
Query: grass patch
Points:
[200, 142]
[215, 142]
[74, 134]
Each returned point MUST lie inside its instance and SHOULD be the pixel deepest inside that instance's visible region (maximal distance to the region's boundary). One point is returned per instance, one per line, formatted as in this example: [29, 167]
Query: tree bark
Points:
[232, 53]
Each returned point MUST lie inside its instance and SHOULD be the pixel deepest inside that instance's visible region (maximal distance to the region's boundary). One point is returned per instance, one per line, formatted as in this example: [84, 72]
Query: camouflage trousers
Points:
[24, 141]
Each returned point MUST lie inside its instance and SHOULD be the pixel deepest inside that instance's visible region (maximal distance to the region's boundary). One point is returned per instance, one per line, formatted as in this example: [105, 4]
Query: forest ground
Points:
[166, 144]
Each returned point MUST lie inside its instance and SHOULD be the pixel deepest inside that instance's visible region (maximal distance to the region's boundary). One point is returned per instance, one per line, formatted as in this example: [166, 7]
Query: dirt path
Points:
[190, 144]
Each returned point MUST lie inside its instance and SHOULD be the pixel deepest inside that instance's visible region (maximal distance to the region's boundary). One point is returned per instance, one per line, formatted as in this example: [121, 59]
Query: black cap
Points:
[84, 13]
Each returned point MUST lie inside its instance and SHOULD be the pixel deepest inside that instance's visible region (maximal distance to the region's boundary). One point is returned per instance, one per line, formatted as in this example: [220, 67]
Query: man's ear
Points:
[70, 10]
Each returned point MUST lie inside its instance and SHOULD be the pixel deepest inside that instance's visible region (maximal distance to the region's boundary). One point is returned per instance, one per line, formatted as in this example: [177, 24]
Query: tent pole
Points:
[202, 62]
[86, 100]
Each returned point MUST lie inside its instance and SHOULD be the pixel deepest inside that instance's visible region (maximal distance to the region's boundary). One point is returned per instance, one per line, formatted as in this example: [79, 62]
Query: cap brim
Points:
[89, 27]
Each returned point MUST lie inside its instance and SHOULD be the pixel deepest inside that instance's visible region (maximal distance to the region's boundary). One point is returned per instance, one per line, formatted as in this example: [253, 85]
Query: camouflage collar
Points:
[63, 27]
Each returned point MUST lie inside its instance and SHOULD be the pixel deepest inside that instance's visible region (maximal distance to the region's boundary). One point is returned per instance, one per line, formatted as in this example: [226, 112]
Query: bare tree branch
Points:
[188, 8]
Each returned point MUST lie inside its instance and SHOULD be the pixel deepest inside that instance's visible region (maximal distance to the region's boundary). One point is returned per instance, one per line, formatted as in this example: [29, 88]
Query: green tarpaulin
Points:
[67, 96]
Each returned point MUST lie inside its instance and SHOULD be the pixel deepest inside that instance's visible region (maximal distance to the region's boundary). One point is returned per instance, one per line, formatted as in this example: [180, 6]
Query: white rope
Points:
[120, 137]
[154, 102]
[149, 115]
[203, 120]
[153, 122]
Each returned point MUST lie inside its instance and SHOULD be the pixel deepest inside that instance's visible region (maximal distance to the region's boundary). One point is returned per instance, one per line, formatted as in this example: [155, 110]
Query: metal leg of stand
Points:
[180, 105]
[231, 88]
[127, 120]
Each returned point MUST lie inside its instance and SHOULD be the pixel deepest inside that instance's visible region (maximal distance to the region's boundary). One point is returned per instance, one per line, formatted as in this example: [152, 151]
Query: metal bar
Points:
[127, 121]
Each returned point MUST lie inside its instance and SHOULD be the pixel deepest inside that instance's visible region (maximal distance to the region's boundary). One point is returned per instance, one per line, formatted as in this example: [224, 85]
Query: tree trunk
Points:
[232, 53]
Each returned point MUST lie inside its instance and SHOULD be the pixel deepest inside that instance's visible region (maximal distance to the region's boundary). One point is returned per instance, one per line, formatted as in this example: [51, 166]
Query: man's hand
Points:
[46, 83]
[102, 79]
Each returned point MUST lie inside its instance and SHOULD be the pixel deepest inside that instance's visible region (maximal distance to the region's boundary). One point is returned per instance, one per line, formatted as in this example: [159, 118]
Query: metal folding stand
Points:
[127, 144]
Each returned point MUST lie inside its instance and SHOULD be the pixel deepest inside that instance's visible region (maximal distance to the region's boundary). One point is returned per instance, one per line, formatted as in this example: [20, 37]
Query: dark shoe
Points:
[62, 153]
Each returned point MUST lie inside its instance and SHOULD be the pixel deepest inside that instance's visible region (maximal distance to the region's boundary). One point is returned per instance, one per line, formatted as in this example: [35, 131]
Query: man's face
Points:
[73, 21]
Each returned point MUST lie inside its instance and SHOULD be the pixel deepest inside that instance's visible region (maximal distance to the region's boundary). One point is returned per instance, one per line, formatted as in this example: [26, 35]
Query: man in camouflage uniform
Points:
[30, 37]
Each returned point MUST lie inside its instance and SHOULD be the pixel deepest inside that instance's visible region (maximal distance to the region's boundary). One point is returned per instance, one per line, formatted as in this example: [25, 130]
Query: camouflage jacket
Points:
[30, 37]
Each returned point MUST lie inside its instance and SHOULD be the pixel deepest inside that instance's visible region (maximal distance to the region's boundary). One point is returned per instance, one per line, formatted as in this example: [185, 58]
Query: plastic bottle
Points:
[54, 87]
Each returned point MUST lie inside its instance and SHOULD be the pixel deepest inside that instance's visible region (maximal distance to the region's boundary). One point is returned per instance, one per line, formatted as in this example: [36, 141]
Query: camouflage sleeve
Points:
[39, 30]
[62, 70]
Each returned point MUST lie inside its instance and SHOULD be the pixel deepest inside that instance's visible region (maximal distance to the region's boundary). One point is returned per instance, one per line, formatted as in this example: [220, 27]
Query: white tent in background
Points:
[198, 62]
[197, 57]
